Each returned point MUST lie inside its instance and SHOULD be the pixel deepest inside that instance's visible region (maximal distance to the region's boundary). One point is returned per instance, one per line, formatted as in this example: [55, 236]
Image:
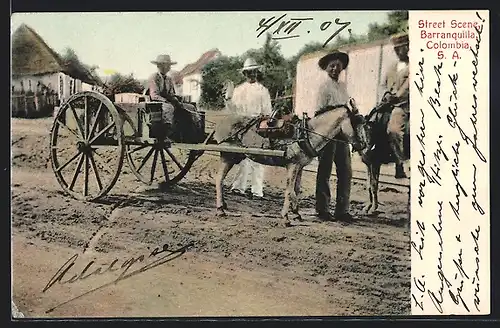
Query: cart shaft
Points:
[230, 149]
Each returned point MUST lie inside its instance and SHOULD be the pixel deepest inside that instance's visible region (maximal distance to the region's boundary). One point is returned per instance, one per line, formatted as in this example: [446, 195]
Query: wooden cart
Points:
[91, 137]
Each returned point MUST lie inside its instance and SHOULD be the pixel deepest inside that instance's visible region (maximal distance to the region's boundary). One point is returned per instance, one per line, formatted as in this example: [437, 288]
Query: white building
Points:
[368, 64]
[190, 76]
[39, 70]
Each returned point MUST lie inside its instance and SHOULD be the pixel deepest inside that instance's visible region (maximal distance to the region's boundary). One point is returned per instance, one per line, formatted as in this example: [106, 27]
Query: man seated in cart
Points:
[180, 120]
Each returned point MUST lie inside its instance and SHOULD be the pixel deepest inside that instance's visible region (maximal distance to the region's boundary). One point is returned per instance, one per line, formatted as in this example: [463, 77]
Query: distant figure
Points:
[397, 93]
[332, 92]
[250, 98]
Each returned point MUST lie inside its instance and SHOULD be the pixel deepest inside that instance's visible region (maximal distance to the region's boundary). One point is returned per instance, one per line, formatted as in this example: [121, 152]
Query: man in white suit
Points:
[250, 99]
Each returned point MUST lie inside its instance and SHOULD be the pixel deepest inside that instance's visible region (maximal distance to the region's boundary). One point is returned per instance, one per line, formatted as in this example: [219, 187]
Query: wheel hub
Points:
[83, 147]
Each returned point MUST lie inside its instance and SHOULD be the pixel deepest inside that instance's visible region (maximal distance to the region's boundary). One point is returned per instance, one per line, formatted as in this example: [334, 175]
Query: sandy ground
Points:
[241, 265]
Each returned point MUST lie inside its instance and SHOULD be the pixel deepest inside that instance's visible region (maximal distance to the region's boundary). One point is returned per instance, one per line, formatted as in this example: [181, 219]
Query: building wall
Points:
[191, 86]
[367, 67]
[178, 89]
[62, 84]
[29, 83]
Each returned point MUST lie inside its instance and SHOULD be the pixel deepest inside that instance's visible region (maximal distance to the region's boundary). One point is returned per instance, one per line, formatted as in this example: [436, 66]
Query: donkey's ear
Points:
[358, 119]
[351, 106]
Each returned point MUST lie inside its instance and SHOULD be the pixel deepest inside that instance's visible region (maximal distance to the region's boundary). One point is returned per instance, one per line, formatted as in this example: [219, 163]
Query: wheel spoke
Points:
[106, 129]
[75, 174]
[103, 162]
[153, 167]
[174, 159]
[77, 121]
[137, 149]
[67, 162]
[145, 159]
[94, 124]
[86, 119]
[96, 172]
[164, 165]
[86, 174]
[63, 125]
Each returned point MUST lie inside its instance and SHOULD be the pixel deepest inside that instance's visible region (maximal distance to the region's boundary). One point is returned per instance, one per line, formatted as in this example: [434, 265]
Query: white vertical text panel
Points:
[450, 209]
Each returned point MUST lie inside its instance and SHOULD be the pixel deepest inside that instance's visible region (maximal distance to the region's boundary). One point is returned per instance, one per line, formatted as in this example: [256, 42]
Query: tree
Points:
[119, 83]
[70, 59]
[276, 77]
[70, 56]
[275, 66]
[397, 22]
[215, 74]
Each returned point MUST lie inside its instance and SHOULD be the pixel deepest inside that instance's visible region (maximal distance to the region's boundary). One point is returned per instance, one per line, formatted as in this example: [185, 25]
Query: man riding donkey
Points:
[332, 92]
[396, 100]
[250, 99]
[179, 120]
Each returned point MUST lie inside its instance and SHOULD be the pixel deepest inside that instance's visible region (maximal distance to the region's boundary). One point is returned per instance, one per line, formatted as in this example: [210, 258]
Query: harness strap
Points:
[303, 141]
[237, 134]
[326, 109]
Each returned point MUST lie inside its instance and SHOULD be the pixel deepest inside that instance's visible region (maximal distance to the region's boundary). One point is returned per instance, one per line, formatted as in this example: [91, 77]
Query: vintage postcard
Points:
[208, 164]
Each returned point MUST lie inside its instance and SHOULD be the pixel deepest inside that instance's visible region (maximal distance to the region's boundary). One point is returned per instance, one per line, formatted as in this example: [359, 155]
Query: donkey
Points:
[333, 122]
[378, 151]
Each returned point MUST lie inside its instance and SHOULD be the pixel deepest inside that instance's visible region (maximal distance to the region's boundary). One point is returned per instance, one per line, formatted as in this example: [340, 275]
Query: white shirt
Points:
[401, 66]
[330, 93]
[250, 99]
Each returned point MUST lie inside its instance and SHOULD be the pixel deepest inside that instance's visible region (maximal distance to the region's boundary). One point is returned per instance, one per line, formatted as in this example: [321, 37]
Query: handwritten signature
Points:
[123, 269]
[284, 29]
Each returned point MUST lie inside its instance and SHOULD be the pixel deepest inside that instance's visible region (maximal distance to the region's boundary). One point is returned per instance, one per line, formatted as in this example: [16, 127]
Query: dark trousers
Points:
[339, 153]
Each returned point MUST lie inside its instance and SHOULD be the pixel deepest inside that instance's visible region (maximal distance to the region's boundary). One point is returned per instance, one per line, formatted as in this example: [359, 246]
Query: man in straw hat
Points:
[330, 93]
[397, 93]
[161, 88]
[250, 98]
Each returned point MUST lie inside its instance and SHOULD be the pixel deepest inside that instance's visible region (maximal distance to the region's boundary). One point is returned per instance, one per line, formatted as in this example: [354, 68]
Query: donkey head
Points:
[355, 130]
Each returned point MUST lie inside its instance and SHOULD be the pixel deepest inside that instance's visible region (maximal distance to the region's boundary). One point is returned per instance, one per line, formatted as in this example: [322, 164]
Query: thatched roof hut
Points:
[31, 56]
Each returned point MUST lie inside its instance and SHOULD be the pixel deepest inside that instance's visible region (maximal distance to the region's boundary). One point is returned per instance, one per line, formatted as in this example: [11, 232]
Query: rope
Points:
[328, 138]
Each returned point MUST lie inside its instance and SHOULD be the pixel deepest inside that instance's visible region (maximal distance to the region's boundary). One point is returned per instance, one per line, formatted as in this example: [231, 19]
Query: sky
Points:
[127, 42]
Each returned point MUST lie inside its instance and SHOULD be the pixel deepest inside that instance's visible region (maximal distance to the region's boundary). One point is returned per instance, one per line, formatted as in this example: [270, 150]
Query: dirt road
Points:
[242, 265]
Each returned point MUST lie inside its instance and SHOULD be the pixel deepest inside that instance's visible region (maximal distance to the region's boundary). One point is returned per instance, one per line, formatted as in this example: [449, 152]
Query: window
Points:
[61, 86]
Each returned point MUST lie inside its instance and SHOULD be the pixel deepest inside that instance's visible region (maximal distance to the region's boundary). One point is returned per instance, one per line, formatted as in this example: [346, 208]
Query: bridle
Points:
[304, 129]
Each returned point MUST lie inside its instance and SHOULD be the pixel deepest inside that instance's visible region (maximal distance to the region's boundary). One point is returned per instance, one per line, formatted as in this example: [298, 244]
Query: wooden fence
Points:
[31, 104]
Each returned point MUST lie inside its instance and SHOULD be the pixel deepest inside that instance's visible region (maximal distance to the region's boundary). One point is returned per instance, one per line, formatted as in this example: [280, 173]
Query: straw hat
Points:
[342, 56]
[399, 39]
[250, 65]
[163, 59]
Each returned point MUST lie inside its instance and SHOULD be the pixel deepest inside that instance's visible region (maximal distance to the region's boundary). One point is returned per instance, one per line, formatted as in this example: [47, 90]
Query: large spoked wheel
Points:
[159, 162]
[87, 146]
